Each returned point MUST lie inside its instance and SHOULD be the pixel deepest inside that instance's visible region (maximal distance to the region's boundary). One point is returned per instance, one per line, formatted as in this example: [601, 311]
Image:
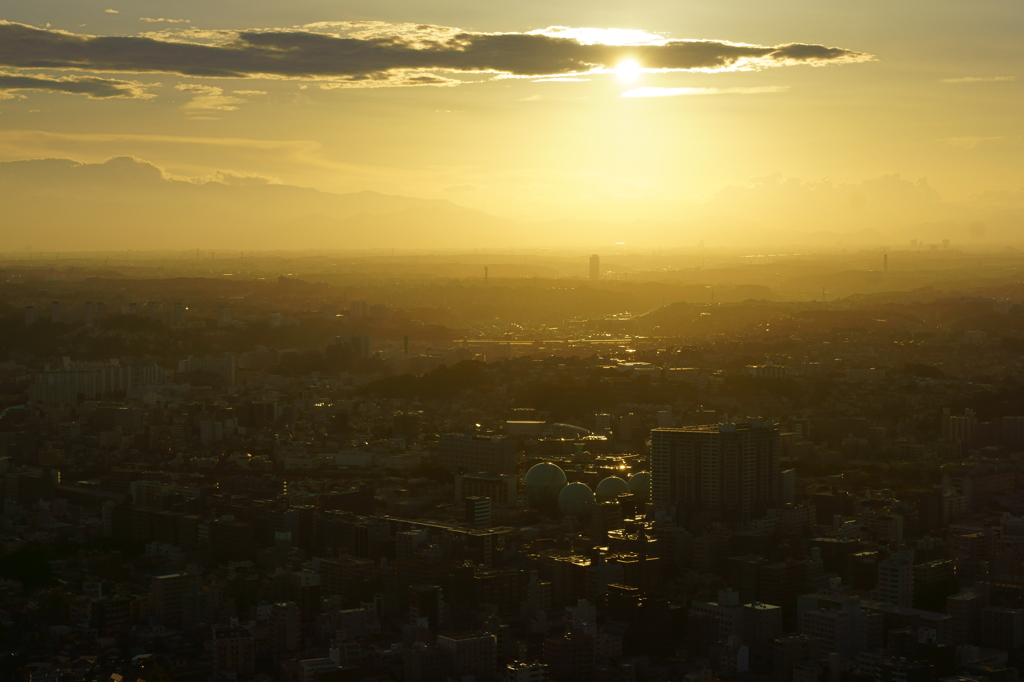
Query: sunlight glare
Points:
[628, 70]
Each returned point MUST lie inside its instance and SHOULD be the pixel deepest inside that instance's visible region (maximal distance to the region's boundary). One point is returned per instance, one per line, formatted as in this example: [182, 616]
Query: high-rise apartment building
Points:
[595, 267]
[728, 470]
[896, 580]
[426, 603]
[234, 650]
[475, 453]
[478, 511]
[223, 368]
[472, 653]
[172, 599]
[958, 428]
[358, 346]
[284, 627]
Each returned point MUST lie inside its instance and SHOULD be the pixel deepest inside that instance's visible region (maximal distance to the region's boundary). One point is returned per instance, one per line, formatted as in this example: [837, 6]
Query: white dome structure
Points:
[640, 485]
[576, 499]
[544, 481]
[610, 488]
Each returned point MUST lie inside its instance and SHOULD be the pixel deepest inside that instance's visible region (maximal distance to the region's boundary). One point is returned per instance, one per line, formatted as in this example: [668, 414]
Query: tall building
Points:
[789, 650]
[359, 346]
[426, 602]
[965, 610]
[840, 623]
[472, 653]
[172, 599]
[958, 428]
[727, 470]
[595, 267]
[459, 452]
[501, 489]
[223, 368]
[570, 657]
[478, 511]
[110, 615]
[423, 663]
[1012, 431]
[604, 517]
[896, 580]
[1002, 627]
[91, 379]
[358, 310]
[233, 650]
[284, 627]
[223, 316]
[761, 624]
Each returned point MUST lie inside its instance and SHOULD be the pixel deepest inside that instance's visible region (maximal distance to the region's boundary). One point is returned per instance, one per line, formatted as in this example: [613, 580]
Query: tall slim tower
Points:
[885, 263]
[595, 267]
[729, 470]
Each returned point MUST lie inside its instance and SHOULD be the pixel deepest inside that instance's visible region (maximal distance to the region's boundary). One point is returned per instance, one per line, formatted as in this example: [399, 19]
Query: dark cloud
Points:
[95, 88]
[67, 172]
[377, 57]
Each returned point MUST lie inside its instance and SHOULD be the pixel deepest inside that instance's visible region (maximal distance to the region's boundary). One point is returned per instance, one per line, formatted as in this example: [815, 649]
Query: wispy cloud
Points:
[680, 92]
[161, 20]
[111, 11]
[979, 79]
[94, 88]
[967, 142]
[238, 179]
[207, 98]
[360, 54]
[27, 143]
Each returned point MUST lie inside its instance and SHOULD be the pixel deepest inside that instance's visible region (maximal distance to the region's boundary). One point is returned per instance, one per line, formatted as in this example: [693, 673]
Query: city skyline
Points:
[587, 341]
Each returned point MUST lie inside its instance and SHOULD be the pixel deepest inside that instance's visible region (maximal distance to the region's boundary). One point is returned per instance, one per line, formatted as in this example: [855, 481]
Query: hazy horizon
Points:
[574, 124]
[75, 206]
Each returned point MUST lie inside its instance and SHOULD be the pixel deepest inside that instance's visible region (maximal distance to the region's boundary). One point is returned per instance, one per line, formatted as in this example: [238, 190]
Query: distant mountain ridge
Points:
[127, 203]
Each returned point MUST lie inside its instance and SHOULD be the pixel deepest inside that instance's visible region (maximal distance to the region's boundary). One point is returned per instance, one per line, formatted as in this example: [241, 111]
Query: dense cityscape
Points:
[251, 469]
[533, 341]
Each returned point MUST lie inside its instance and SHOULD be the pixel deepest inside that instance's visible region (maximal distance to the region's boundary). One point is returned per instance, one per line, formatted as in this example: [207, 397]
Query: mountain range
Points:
[126, 203]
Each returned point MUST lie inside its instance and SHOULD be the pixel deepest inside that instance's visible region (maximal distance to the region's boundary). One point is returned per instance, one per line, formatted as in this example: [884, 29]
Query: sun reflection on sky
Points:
[603, 36]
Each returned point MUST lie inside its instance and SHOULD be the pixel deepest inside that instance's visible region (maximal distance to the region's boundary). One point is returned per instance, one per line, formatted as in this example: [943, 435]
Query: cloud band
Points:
[95, 88]
[380, 57]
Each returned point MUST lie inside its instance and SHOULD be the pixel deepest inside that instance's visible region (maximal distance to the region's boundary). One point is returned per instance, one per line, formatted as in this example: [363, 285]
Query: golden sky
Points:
[585, 109]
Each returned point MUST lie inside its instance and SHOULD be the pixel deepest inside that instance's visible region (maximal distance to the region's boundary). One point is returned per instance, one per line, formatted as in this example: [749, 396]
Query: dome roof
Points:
[545, 475]
[610, 488]
[543, 482]
[576, 499]
[640, 485]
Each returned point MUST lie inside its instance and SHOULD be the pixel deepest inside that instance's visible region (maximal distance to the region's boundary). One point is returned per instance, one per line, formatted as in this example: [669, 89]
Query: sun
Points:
[628, 70]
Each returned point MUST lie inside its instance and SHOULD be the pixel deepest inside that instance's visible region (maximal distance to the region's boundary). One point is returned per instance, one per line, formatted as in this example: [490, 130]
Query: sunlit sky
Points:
[487, 105]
